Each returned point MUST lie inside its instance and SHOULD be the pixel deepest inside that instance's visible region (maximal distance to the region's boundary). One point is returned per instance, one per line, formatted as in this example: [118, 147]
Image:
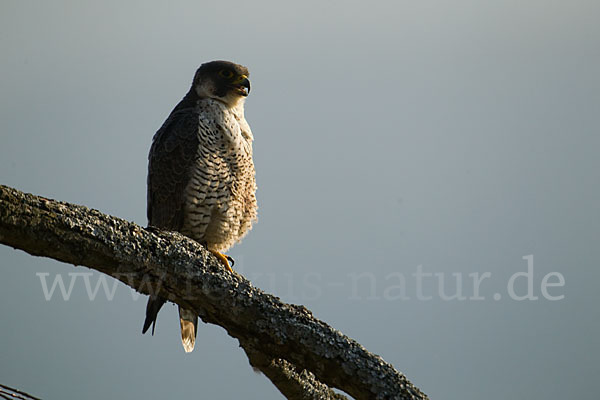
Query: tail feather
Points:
[189, 327]
[152, 309]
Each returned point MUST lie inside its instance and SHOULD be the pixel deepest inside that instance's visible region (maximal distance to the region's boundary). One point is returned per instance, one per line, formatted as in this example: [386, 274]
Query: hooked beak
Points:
[242, 85]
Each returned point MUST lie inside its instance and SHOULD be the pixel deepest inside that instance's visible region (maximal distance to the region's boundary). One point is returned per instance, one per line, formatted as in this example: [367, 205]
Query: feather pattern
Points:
[201, 179]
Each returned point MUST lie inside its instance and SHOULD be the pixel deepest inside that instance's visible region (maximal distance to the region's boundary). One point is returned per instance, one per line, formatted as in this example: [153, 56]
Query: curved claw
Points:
[224, 259]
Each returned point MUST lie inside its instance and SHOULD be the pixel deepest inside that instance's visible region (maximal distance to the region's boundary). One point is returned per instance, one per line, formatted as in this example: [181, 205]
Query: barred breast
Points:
[220, 201]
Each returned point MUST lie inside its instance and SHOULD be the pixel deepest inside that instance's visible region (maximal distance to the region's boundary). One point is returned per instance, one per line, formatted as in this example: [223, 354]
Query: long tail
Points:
[189, 327]
[152, 309]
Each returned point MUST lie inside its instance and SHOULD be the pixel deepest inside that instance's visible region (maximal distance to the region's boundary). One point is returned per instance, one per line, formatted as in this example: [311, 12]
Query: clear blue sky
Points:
[399, 146]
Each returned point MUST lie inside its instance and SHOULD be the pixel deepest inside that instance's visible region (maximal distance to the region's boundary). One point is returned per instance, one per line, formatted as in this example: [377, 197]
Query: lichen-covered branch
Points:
[303, 356]
[8, 393]
[293, 384]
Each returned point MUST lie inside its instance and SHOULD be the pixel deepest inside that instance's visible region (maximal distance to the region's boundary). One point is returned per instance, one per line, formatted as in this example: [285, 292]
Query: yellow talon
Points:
[223, 258]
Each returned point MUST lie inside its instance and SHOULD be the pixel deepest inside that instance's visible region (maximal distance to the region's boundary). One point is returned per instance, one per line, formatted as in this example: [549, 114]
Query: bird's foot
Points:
[224, 259]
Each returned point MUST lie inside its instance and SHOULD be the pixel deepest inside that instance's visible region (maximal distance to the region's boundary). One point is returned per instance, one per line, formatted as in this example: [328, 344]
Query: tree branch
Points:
[300, 354]
[8, 393]
[291, 383]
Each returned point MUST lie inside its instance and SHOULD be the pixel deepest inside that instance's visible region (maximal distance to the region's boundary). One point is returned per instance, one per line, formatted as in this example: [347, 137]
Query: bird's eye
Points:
[224, 73]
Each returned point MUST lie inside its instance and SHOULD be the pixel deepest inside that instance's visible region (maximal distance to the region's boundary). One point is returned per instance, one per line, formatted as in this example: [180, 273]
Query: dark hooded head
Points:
[222, 80]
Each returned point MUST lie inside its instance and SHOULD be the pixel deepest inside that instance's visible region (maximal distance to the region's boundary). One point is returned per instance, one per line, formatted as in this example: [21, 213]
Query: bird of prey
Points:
[201, 179]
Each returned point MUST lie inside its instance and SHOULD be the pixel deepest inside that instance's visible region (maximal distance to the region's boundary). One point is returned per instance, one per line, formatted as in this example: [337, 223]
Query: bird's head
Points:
[222, 80]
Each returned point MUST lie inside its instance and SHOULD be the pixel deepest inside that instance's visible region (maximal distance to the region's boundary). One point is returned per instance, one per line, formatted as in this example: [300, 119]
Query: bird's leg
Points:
[223, 258]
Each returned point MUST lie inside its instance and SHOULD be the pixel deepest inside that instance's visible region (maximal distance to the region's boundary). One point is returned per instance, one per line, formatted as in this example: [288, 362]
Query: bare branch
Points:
[181, 270]
[6, 392]
[294, 385]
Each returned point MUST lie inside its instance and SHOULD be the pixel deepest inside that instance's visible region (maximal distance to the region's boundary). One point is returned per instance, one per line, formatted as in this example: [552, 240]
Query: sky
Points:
[427, 183]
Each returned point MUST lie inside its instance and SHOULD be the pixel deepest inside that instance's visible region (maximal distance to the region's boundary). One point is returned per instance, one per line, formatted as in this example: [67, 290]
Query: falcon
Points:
[201, 179]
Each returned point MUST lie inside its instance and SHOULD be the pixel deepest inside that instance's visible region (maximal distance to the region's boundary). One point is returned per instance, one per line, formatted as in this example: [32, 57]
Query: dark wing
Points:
[170, 162]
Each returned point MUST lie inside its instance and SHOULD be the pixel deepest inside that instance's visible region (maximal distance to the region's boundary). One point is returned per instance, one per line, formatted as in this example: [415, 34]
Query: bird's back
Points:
[170, 164]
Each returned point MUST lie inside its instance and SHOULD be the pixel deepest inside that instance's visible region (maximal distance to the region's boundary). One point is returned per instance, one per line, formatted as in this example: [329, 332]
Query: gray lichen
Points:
[303, 356]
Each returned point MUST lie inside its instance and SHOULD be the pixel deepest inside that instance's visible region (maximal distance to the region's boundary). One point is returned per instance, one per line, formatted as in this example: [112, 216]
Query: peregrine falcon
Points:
[201, 179]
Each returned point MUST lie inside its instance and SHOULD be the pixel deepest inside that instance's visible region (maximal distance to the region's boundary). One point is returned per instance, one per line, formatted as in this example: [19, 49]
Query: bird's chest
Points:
[224, 132]
[223, 171]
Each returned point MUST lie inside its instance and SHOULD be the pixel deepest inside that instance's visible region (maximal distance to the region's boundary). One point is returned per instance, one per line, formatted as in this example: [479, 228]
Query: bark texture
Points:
[303, 356]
